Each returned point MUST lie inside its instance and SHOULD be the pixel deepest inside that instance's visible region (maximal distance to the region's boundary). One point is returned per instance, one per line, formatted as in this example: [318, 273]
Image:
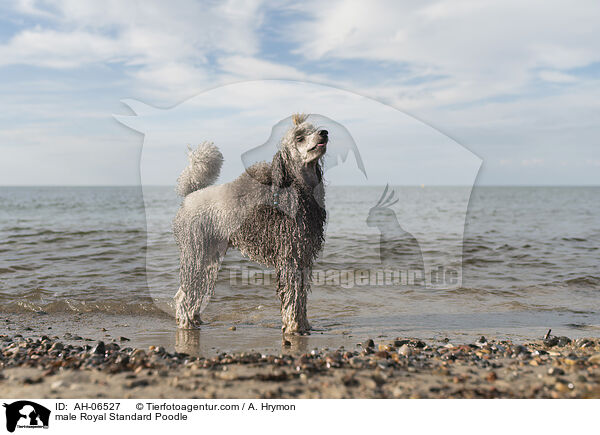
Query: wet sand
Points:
[48, 366]
[216, 337]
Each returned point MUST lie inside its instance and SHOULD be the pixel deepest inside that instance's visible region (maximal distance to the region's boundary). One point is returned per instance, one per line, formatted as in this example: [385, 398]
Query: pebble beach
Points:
[70, 367]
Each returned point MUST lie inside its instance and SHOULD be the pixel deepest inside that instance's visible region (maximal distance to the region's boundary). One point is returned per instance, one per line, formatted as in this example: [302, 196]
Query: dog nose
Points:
[323, 133]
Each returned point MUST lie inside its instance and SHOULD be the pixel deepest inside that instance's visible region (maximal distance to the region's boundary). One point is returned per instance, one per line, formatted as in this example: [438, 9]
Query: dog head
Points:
[299, 155]
[305, 142]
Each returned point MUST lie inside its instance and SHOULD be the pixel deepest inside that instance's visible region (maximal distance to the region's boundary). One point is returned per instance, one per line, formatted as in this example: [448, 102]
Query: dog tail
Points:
[202, 171]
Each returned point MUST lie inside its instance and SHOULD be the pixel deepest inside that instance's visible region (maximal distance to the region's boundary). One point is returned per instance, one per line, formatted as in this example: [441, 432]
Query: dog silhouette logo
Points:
[244, 121]
[26, 414]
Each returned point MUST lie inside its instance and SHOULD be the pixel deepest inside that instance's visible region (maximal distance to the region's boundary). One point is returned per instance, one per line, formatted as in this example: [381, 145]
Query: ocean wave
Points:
[573, 239]
[18, 232]
[148, 307]
[584, 280]
[480, 260]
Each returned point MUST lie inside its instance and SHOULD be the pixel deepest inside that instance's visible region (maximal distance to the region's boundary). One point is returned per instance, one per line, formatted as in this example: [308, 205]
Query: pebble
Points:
[57, 385]
[555, 371]
[563, 385]
[357, 362]
[382, 354]
[138, 356]
[100, 348]
[594, 359]
[383, 364]
[137, 383]
[583, 342]
[465, 365]
[518, 350]
[405, 350]
[57, 346]
[491, 377]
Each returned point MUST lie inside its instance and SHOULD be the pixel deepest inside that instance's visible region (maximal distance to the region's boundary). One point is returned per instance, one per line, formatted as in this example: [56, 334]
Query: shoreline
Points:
[557, 367]
[244, 335]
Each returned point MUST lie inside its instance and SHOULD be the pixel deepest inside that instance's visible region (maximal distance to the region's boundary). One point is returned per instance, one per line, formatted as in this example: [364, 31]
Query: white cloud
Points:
[557, 77]
[483, 48]
[171, 81]
[476, 49]
[495, 75]
[249, 67]
[49, 48]
[164, 45]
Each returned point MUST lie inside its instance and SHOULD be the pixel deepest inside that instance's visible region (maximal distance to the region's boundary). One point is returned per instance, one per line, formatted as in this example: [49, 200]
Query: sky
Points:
[516, 83]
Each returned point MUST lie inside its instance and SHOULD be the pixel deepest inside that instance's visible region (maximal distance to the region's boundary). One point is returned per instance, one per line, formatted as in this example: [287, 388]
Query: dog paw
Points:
[296, 328]
[186, 323]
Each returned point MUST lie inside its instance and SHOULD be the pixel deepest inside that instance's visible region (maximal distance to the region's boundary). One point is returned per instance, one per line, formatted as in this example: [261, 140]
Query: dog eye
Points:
[299, 137]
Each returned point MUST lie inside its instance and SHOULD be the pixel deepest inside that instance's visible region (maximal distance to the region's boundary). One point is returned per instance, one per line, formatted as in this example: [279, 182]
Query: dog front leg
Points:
[292, 287]
[187, 309]
[188, 299]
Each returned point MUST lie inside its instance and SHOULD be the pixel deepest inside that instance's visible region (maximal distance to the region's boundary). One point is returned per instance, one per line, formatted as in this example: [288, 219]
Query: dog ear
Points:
[319, 170]
[279, 173]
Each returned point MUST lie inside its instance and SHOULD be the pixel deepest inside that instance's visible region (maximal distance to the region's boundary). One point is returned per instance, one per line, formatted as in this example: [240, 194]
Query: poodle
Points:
[274, 213]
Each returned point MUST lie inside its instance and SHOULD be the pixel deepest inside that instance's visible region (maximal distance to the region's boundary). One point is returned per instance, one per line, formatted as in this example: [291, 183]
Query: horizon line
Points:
[337, 185]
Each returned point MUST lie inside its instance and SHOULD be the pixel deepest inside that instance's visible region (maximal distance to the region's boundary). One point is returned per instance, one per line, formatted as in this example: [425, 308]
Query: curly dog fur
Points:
[274, 213]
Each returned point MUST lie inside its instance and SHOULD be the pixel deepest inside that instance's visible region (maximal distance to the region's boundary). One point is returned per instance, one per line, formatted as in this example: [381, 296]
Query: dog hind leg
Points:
[200, 257]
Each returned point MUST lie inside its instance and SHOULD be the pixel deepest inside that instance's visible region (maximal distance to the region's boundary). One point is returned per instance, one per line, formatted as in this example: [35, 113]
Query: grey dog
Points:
[274, 213]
